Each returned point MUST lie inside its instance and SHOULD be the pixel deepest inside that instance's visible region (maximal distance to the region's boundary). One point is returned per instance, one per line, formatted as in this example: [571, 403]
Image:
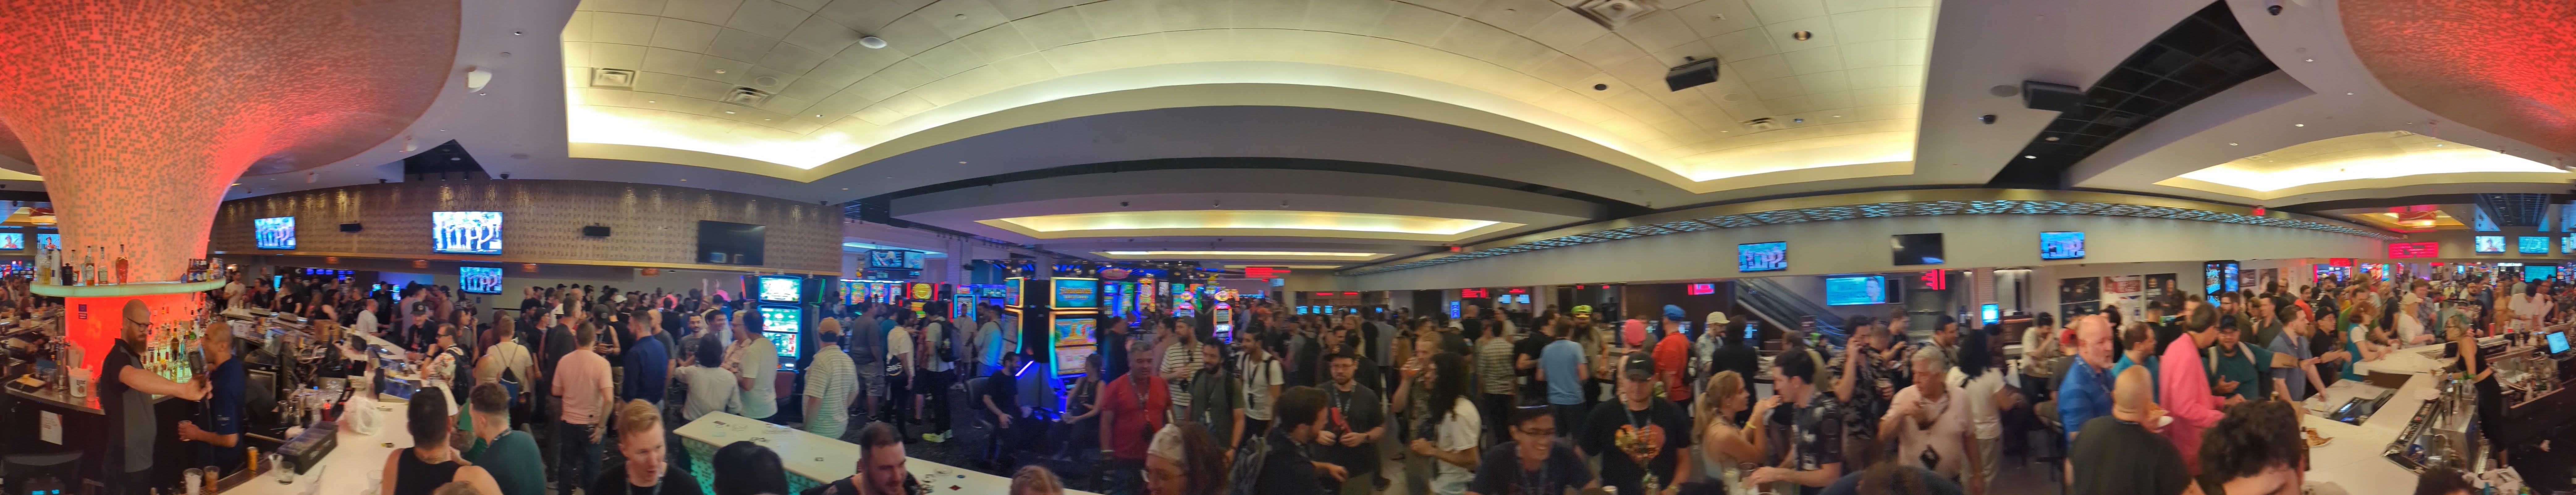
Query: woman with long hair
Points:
[1986, 397]
[1719, 443]
[1454, 425]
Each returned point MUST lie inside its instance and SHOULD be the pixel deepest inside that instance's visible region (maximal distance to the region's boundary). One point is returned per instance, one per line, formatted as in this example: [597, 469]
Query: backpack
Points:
[1245, 473]
[945, 345]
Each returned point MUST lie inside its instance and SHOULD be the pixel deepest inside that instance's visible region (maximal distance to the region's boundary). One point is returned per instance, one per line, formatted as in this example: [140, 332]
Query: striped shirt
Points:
[1495, 364]
[830, 379]
[1184, 359]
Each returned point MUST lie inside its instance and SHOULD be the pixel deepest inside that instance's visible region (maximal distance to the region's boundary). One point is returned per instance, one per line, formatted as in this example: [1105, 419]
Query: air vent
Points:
[1615, 13]
[1763, 124]
[746, 97]
[612, 78]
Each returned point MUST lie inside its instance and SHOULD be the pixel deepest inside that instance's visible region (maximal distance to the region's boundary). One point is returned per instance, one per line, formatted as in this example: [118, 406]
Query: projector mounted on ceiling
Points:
[1693, 73]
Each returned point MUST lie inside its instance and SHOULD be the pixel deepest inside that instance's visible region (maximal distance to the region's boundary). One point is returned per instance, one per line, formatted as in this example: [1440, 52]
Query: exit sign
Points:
[1264, 272]
[1471, 293]
[2339, 262]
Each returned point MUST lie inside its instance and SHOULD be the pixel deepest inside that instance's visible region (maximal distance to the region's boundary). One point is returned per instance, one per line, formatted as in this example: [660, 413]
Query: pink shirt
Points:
[2185, 390]
[579, 378]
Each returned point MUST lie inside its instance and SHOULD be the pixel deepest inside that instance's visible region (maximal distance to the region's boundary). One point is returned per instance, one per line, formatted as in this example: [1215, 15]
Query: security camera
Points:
[2273, 6]
[1988, 119]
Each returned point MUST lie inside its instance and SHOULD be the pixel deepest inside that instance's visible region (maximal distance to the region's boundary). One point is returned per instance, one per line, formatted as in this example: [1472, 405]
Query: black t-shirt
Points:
[1500, 473]
[1358, 410]
[129, 411]
[612, 481]
[1661, 422]
[1739, 358]
[1286, 470]
[558, 343]
[2114, 457]
[1005, 391]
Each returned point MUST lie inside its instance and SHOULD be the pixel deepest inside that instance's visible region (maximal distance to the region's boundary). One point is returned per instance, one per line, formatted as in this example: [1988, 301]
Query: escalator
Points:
[1779, 308]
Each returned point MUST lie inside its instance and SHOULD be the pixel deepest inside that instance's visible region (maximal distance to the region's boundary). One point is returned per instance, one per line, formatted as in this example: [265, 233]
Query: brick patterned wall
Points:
[542, 219]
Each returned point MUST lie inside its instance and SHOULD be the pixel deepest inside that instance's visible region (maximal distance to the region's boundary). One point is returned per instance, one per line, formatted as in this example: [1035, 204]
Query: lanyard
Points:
[1536, 486]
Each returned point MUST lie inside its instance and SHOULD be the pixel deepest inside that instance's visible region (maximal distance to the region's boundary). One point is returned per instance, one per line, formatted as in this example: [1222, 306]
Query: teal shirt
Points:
[513, 461]
[2153, 371]
[2246, 368]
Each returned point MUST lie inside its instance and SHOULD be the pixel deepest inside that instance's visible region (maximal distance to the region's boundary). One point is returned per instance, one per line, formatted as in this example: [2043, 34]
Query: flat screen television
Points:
[2537, 272]
[479, 279]
[896, 259]
[274, 233]
[1989, 314]
[1076, 293]
[728, 243]
[13, 241]
[50, 241]
[465, 232]
[1762, 257]
[1855, 290]
[782, 289]
[2534, 245]
[2558, 343]
[2489, 244]
[1916, 249]
[2061, 245]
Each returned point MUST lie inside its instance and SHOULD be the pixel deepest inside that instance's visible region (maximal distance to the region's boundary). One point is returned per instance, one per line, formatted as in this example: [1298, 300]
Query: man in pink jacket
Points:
[2184, 385]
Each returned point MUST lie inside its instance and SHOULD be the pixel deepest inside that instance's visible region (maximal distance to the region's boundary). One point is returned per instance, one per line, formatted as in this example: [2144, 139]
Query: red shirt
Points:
[1134, 422]
[1672, 361]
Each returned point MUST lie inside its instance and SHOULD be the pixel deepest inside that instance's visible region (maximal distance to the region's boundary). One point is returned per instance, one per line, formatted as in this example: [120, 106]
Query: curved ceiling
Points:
[1840, 81]
[2504, 65]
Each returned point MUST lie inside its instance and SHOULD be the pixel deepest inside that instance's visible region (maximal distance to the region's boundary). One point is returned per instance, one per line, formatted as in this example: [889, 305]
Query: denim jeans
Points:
[580, 457]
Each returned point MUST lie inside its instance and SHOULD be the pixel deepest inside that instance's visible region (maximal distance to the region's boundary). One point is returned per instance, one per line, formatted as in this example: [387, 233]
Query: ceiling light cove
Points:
[1248, 223]
[2360, 161]
[1241, 255]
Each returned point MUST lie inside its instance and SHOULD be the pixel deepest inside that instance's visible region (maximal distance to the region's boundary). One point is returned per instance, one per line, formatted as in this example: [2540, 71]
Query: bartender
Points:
[221, 433]
[129, 409]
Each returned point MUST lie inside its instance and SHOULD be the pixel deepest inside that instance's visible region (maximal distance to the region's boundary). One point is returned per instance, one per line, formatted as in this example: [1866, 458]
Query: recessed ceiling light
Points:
[2231, 144]
[728, 112]
[684, 180]
[651, 101]
[2347, 93]
[2050, 138]
[2311, 60]
[1802, 35]
[2033, 157]
[1838, 116]
[818, 115]
[961, 163]
[2291, 125]
[720, 71]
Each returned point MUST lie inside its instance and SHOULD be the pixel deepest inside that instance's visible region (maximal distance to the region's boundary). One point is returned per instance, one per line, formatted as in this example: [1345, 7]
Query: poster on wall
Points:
[2162, 287]
[2268, 277]
[2125, 292]
[2078, 296]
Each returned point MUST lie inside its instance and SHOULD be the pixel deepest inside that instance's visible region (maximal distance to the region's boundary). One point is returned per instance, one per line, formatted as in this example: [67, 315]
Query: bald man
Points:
[2085, 392]
[2123, 453]
[124, 391]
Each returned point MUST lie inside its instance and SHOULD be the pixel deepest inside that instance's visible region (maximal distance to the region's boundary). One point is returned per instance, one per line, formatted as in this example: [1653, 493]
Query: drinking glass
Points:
[285, 471]
[194, 479]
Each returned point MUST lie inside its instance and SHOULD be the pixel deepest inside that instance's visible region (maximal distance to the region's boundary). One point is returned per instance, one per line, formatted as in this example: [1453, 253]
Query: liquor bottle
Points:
[120, 263]
[89, 266]
[74, 265]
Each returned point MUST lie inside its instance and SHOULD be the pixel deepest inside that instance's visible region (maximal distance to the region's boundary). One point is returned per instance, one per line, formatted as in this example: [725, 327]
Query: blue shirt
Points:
[2153, 370]
[2082, 395]
[224, 414]
[2294, 377]
[1561, 359]
[648, 364]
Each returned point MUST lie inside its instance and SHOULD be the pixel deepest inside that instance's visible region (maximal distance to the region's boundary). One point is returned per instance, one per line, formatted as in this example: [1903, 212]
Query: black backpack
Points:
[946, 345]
[1245, 476]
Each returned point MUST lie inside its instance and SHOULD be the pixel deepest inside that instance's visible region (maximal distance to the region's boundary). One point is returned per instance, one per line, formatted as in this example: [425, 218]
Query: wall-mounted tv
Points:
[2534, 245]
[13, 241]
[781, 289]
[2061, 245]
[1762, 257]
[274, 233]
[2489, 244]
[1855, 290]
[1916, 249]
[478, 279]
[897, 259]
[1076, 293]
[465, 232]
[728, 243]
[50, 241]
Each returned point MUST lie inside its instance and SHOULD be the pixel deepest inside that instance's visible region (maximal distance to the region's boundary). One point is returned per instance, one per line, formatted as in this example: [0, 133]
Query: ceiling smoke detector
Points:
[872, 42]
[1615, 13]
[612, 78]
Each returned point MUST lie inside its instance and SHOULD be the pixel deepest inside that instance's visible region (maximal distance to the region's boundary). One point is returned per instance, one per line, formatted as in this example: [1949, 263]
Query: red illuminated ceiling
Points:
[2503, 66]
[139, 113]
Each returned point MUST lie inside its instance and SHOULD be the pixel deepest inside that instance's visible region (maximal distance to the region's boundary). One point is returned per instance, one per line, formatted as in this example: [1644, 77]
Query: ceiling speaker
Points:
[595, 231]
[351, 227]
[1694, 73]
[2051, 96]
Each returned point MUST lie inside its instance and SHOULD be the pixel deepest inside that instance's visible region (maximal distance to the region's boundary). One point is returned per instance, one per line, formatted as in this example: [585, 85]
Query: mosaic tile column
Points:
[2503, 66]
[140, 113]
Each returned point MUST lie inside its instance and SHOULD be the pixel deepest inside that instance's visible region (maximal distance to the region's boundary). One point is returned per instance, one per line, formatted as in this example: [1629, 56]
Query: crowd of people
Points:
[2200, 394]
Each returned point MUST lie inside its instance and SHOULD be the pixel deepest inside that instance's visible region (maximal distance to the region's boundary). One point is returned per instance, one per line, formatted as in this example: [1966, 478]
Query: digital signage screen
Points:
[1011, 291]
[894, 259]
[1076, 293]
[1762, 257]
[465, 232]
[274, 233]
[782, 289]
[479, 279]
[50, 241]
[1915, 249]
[13, 241]
[2061, 245]
[2398, 250]
[2534, 245]
[923, 290]
[1850, 291]
[782, 319]
[1076, 331]
[2489, 244]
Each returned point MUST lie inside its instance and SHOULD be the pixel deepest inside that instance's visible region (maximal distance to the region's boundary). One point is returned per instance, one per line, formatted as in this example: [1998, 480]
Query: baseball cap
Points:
[1584, 309]
[1637, 367]
[1717, 319]
[1672, 312]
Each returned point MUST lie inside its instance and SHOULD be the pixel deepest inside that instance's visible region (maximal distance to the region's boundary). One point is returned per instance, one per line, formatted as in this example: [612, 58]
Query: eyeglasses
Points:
[1536, 433]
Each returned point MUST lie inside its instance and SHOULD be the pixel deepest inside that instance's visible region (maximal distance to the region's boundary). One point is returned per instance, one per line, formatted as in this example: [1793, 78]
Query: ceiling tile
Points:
[1521, 54]
[577, 54]
[875, 88]
[1760, 68]
[683, 35]
[1825, 82]
[805, 5]
[831, 76]
[868, 60]
[1181, 15]
[878, 114]
[1892, 95]
[659, 82]
[733, 70]
[837, 106]
[808, 89]
[1563, 70]
[822, 35]
[1346, 16]
[1776, 11]
[1742, 44]
[1867, 25]
[1201, 45]
[1916, 51]
[1658, 31]
[670, 61]
[999, 42]
[1055, 28]
[707, 89]
[623, 29]
[601, 97]
[1886, 76]
[1517, 16]
[791, 59]
[1565, 30]
[1474, 39]
[646, 7]
[958, 18]
[912, 34]
[951, 90]
[1116, 18]
[1783, 34]
[707, 11]
[1412, 24]
[630, 57]
[1774, 89]
[906, 74]
[867, 15]
[907, 104]
[1283, 14]
[1842, 6]
[1023, 69]
[740, 45]
[1914, 23]
[1607, 50]
[949, 59]
[1814, 60]
[1890, 112]
[1018, 9]
[1714, 17]
[1869, 54]
[1453, 7]
[766, 17]
[577, 29]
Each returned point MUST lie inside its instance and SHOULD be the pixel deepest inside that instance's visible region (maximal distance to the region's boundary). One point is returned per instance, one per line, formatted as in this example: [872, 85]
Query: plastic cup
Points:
[194, 479]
